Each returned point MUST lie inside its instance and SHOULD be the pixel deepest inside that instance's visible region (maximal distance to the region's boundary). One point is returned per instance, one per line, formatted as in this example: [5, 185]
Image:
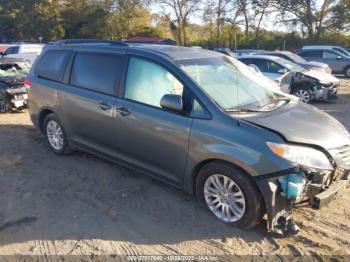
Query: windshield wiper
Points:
[275, 101]
[243, 110]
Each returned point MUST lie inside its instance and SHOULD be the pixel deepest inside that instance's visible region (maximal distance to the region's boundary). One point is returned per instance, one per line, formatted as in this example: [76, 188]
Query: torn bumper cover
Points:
[283, 190]
[18, 97]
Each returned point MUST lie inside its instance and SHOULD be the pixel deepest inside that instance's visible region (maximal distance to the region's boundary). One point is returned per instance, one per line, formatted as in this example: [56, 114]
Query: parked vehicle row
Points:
[197, 119]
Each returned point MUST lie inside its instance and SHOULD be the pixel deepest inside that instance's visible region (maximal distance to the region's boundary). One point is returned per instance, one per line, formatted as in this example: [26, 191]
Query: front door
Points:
[150, 137]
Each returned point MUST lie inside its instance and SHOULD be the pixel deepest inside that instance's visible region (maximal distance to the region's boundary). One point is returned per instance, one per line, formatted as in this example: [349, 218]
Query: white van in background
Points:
[24, 51]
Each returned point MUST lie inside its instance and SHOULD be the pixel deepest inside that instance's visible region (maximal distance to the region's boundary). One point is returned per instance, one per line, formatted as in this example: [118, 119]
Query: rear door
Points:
[148, 136]
[88, 101]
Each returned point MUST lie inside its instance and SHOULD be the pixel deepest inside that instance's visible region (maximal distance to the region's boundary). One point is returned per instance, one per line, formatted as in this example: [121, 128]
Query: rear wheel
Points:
[56, 135]
[347, 72]
[229, 194]
[304, 94]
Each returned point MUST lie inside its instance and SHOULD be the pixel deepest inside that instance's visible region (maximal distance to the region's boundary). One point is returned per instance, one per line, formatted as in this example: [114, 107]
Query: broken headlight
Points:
[302, 155]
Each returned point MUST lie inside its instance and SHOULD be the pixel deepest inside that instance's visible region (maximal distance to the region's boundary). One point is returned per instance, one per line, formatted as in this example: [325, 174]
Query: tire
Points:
[4, 102]
[347, 72]
[56, 135]
[251, 212]
[304, 94]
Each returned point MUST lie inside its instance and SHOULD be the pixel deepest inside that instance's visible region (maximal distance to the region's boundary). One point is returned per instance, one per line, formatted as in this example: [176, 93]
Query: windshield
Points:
[231, 84]
[296, 58]
[290, 65]
[342, 51]
[17, 69]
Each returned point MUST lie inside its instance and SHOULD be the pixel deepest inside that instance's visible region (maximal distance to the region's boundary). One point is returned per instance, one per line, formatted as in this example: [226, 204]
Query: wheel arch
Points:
[43, 114]
[195, 171]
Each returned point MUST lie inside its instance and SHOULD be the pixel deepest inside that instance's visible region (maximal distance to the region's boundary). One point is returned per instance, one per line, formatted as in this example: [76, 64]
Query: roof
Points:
[177, 52]
[268, 57]
[171, 51]
[151, 40]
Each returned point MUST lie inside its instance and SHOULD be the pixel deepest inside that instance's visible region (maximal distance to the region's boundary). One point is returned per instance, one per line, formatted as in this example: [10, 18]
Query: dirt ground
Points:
[82, 205]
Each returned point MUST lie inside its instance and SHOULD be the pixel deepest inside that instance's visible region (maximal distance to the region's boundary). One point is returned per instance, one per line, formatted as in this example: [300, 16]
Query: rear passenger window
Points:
[314, 54]
[96, 71]
[52, 65]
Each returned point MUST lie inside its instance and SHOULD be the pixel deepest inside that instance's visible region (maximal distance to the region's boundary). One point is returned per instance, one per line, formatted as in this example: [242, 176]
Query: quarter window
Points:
[96, 71]
[52, 65]
[148, 82]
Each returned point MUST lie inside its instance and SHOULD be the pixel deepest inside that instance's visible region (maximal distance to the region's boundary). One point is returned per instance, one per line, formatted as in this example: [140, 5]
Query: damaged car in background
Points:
[13, 92]
[307, 84]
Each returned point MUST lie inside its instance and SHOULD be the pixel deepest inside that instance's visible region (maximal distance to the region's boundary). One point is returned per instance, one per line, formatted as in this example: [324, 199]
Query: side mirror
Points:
[339, 57]
[283, 71]
[172, 103]
[2, 54]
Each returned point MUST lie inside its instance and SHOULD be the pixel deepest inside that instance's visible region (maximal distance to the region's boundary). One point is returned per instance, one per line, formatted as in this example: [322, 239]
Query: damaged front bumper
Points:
[319, 189]
[325, 93]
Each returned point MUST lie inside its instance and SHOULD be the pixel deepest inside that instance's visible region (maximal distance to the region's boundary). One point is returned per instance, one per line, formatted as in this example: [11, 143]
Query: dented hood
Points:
[301, 123]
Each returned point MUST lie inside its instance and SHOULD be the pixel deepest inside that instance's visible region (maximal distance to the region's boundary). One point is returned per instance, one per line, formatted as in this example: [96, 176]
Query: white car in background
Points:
[27, 52]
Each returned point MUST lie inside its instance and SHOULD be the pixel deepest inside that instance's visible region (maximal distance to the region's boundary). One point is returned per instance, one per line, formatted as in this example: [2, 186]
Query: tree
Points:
[341, 16]
[311, 14]
[182, 9]
[261, 8]
[29, 19]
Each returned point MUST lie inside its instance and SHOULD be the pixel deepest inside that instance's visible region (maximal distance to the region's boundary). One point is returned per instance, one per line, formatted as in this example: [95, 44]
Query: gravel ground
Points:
[82, 205]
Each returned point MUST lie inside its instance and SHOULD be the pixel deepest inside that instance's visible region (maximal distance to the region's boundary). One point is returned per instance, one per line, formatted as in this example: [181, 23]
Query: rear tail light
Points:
[27, 83]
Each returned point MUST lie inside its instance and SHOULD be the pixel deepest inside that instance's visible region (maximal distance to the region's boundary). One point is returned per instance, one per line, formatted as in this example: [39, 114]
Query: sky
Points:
[268, 22]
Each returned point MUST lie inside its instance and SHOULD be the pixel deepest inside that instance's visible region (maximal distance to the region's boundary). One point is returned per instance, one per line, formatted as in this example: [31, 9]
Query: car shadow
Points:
[47, 197]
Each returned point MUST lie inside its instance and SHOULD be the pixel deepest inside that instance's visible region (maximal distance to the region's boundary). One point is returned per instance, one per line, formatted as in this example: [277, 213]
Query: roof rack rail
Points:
[89, 41]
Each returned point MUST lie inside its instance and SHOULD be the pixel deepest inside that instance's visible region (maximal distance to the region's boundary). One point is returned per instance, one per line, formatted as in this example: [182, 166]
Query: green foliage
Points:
[226, 23]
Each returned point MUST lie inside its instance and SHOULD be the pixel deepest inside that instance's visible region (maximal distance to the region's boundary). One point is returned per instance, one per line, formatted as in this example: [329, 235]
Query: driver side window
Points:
[273, 67]
[147, 82]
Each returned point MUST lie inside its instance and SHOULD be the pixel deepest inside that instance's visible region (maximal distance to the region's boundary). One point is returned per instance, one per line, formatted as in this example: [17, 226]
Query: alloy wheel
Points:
[224, 198]
[347, 72]
[303, 95]
[55, 135]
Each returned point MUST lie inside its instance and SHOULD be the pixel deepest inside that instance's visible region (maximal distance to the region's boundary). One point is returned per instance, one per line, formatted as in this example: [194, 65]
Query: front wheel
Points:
[229, 194]
[347, 72]
[304, 94]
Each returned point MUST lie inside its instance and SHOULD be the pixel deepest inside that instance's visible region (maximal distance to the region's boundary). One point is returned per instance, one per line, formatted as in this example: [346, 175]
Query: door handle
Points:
[124, 111]
[104, 106]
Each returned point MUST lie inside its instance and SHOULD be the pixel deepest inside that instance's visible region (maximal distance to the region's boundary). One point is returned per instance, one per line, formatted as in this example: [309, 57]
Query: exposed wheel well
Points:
[42, 117]
[305, 84]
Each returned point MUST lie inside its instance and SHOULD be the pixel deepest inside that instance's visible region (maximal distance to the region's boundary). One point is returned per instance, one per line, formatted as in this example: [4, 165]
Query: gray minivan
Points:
[196, 119]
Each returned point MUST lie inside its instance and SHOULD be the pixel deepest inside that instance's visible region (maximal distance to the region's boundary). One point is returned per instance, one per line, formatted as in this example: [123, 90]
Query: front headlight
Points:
[301, 155]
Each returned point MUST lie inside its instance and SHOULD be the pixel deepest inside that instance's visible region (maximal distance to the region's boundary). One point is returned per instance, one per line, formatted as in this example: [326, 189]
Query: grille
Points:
[344, 153]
